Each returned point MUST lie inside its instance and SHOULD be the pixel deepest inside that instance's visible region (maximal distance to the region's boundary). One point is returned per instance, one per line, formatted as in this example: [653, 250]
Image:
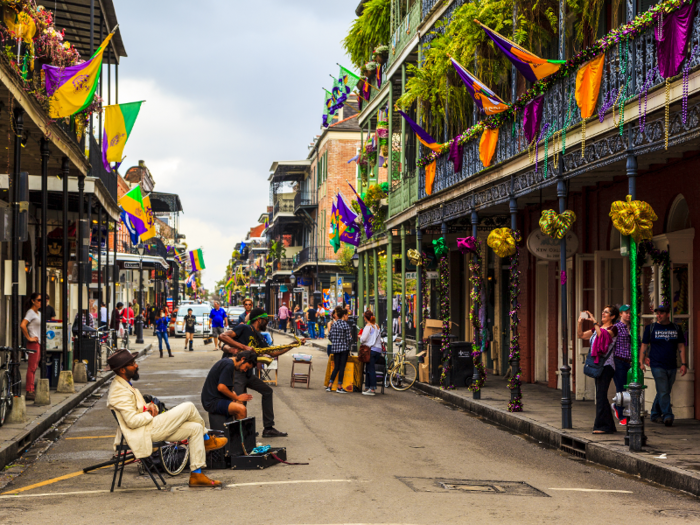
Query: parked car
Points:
[234, 312]
[201, 312]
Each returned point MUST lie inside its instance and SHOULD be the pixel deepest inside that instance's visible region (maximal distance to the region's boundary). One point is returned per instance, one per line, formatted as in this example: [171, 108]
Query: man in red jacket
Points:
[128, 318]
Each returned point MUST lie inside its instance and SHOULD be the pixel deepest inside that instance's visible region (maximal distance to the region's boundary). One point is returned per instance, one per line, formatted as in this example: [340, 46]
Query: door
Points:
[611, 280]
[585, 300]
[541, 322]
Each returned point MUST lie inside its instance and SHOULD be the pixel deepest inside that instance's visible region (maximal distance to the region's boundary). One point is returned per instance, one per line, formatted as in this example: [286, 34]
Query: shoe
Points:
[368, 393]
[341, 390]
[29, 396]
[200, 480]
[618, 411]
[170, 354]
[656, 420]
[329, 388]
[668, 422]
[273, 432]
[623, 422]
[215, 443]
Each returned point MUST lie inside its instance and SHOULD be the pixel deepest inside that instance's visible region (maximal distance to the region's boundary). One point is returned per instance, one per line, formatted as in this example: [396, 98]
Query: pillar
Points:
[376, 283]
[419, 292]
[15, 314]
[476, 394]
[44, 148]
[67, 353]
[389, 293]
[403, 282]
[515, 393]
[360, 289]
[367, 281]
[566, 403]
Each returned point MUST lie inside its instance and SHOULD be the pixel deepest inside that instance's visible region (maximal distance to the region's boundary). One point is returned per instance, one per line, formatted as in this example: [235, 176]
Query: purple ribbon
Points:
[671, 45]
[456, 154]
[532, 116]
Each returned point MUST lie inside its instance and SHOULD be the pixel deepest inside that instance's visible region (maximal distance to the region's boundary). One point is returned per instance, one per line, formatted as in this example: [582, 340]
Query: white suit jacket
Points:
[128, 404]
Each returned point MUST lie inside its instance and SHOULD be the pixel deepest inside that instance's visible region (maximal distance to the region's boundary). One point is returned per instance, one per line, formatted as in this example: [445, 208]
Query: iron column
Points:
[515, 393]
[389, 293]
[99, 264]
[419, 292]
[44, 148]
[67, 354]
[403, 283]
[566, 402]
[79, 258]
[15, 316]
[476, 376]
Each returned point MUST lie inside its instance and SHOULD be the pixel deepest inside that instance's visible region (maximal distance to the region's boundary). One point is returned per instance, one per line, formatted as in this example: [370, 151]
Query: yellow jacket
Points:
[128, 403]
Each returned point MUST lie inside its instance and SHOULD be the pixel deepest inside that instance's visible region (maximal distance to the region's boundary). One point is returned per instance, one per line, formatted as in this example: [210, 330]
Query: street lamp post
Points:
[139, 319]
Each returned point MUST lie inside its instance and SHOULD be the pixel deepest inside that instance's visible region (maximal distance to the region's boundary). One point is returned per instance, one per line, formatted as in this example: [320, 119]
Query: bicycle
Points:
[401, 373]
[10, 382]
[106, 342]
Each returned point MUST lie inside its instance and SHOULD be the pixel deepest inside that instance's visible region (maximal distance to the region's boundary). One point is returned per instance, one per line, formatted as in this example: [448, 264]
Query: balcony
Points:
[404, 31]
[282, 266]
[313, 255]
[403, 195]
[284, 205]
[306, 200]
[604, 143]
[109, 179]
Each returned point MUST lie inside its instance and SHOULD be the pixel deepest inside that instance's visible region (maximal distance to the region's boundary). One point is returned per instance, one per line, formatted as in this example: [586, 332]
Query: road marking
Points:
[291, 482]
[91, 437]
[598, 490]
[80, 493]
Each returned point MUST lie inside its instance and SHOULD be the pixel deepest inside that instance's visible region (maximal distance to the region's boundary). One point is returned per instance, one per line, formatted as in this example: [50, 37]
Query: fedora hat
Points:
[120, 359]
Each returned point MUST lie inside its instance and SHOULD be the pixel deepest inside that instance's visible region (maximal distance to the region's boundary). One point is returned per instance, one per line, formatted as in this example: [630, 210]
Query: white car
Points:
[201, 313]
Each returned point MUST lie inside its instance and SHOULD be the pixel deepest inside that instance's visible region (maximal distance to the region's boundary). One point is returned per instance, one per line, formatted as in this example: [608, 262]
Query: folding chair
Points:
[123, 451]
[266, 370]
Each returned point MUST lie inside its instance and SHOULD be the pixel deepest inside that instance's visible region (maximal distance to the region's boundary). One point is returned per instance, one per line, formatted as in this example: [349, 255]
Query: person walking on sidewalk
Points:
[31, 328]
[340, 337]
[190, 322]
[128, 318]
[283, 316]
[162, 333]
[604, 422]
[321, 313]
[661, 342]
[372, 337]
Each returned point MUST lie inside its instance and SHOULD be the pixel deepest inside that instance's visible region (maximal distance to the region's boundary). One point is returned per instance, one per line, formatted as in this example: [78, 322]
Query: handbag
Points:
[593, 369]
[364, 354]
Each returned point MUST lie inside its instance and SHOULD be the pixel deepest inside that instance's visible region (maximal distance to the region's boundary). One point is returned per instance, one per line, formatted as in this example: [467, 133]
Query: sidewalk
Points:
[671, 457]
[15, 438]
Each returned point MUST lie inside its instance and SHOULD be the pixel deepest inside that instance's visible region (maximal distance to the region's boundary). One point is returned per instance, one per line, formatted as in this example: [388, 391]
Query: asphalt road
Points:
[398, 458]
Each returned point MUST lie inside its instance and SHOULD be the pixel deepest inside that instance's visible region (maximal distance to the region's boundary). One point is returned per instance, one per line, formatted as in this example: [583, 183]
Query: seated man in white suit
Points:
[142, 424]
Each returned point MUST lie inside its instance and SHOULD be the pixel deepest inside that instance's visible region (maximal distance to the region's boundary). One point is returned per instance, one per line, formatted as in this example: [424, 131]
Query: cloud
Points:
[230, 87]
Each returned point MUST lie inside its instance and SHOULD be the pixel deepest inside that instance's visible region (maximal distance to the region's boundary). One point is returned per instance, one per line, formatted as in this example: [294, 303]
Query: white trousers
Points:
[180, 423]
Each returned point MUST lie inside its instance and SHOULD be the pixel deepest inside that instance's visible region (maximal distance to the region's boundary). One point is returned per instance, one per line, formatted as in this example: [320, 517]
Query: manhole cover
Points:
[472, 486]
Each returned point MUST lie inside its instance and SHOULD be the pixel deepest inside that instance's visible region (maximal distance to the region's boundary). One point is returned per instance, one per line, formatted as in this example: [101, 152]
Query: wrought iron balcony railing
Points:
[282, 265]
[404, 32]
[305, 199]
[320, 254]
[283, 205]
[641, 63]
[403, 194]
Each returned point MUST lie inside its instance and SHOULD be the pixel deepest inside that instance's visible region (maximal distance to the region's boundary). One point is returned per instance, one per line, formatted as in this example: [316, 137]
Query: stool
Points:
[300, 377]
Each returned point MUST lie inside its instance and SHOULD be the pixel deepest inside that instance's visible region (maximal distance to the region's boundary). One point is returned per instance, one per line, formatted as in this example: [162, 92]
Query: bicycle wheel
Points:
[403, 377]
[5, 396]
[174, 457]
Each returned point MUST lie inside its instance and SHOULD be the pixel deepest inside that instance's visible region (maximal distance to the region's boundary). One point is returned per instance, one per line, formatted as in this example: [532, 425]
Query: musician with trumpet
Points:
[247, 336]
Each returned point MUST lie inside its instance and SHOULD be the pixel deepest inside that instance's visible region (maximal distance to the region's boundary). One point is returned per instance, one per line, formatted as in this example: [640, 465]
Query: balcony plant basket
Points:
[381, 54]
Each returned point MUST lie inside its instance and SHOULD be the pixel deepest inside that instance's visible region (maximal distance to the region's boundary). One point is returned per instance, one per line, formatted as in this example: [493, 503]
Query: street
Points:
[371, 460]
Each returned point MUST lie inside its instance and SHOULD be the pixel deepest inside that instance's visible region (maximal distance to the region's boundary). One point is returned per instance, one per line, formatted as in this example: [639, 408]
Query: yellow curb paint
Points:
[44, 483]
[80, 493]
[91, 437]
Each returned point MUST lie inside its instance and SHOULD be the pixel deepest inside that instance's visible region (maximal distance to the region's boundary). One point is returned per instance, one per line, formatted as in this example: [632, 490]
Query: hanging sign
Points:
[54, 253]
[544, 247]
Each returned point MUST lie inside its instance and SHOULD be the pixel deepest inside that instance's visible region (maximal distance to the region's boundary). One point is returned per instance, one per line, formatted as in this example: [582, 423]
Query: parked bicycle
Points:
[400, 373]
[10, 381]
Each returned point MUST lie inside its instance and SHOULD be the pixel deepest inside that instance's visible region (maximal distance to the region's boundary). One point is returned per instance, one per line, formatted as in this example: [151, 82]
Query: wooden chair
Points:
[301, 377]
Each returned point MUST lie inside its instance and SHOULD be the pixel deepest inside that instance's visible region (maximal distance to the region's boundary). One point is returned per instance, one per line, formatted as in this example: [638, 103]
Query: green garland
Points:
[478, 347]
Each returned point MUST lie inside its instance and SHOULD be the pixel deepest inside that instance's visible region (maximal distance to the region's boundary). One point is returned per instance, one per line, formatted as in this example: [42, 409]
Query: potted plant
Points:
[381, 54]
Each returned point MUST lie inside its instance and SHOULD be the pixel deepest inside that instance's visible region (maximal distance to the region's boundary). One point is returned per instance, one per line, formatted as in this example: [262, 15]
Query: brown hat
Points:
[120, 359]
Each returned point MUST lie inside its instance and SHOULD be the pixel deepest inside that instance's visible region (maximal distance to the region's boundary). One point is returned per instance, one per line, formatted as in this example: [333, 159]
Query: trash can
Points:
[462, 369]
[88, 352]
[435, 360]
[53, 367]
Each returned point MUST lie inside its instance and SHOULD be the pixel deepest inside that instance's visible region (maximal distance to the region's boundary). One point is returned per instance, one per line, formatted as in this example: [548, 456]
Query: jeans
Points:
[283, 325]
[321, 330]
[620, 377]
[163, 336]
[603, 413]
[371, 371]
[241, 382]
[340, 359]
[32, 365]
[664, 380]
[312, 329]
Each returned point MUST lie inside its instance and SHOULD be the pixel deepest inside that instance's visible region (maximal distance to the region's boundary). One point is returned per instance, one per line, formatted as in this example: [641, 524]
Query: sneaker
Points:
[623, 422]
[273, 432]
[341, 390]
[329, 388]
[618, 411]
[367, 393]
[668, 421]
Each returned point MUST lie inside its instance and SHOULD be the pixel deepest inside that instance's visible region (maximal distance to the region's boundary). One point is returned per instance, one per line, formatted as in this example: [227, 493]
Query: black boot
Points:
[170, 354]
[191, 349]
[161, 353]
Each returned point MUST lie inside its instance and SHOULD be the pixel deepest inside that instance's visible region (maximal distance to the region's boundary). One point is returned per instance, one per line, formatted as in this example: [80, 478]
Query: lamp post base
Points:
[566, 402]
[635, 426]
[138, 327]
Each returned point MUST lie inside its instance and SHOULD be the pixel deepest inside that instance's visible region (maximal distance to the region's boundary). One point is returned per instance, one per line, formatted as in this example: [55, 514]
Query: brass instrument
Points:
[276, 351]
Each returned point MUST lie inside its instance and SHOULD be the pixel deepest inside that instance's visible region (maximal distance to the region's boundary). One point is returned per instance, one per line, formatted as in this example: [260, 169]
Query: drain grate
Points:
[471, 486]
[573, 446]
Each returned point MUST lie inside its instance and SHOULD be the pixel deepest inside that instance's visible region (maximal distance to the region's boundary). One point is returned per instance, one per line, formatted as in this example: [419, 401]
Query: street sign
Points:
[134, 265]
[544, 247]
[411, 275]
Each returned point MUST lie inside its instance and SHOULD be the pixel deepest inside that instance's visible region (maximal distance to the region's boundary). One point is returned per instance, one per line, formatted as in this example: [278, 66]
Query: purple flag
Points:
[532, 116]
[349, 230]
[672, 43]
[367, 215]
[456, 154]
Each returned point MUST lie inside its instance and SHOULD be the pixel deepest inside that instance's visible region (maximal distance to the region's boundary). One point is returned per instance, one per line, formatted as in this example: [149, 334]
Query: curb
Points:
[621, 460]
[14, 448]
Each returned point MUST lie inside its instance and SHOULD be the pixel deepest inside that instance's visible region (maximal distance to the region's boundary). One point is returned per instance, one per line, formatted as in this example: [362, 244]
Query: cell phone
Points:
[584, 315]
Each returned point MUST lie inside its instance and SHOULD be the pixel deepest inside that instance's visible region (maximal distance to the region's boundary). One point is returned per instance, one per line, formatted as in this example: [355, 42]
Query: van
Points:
[201, 312]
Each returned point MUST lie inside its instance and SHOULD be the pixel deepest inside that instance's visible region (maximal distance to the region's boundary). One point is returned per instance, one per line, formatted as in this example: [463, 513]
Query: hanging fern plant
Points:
[368, 31]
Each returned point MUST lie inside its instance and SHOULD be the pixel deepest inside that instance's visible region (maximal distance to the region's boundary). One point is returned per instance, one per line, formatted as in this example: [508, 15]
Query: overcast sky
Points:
[231, 86]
